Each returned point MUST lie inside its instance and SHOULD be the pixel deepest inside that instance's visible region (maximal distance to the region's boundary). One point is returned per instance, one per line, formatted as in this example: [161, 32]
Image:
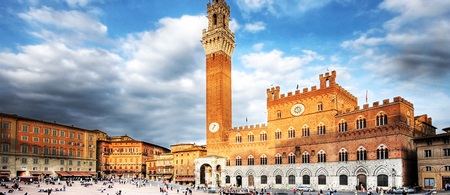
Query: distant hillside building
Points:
[316, 136]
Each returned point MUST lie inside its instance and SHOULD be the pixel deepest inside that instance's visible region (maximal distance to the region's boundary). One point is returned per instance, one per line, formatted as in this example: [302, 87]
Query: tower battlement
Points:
[327, 80]
[376, 104]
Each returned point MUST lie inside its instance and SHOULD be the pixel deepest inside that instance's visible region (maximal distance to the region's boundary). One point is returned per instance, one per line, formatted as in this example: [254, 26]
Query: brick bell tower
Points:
[218, 42]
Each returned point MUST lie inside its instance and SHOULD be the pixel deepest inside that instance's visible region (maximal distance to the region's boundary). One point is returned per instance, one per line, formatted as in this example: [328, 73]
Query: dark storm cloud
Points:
[427, 59]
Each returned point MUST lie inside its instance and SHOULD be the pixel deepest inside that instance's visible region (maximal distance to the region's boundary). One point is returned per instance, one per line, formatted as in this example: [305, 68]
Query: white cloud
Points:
[413, 10]
[68, 26]
[414, 44]
[256, 5]
[234, 25]
[255, 27]
[279, 7]
[258, 46]
[163, 53]
[76, 3]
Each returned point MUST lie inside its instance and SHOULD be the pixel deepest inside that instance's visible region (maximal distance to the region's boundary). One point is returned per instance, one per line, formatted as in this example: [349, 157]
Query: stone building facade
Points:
[315, 136]
[433, 154]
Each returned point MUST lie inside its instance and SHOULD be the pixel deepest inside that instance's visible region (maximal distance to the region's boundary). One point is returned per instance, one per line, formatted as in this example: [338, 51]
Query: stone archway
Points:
[361, 178]
[218, 176]
[238, 181]
[205, 175]
[208, 171]
[362, 181]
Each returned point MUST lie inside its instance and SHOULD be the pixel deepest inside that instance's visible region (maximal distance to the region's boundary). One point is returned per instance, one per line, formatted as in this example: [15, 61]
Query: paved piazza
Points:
[78, 189]
[151, 188]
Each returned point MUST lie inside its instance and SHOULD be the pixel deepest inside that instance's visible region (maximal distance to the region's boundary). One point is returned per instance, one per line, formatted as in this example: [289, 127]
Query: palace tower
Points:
[218, 42]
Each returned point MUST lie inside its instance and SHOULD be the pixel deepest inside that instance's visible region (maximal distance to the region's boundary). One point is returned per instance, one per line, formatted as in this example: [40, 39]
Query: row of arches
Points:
[382, 152]
[360, 123]
[381, 175]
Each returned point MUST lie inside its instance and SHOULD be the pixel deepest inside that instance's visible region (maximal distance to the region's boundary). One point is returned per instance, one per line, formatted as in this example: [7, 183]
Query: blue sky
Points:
[138, 68]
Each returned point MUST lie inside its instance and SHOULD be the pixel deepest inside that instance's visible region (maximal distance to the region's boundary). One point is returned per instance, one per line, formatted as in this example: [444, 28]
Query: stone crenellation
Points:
[326, 81]
[250, 127]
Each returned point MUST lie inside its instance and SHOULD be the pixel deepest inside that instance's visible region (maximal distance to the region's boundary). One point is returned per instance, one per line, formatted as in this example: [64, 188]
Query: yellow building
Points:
[183, 161]
[161, 168]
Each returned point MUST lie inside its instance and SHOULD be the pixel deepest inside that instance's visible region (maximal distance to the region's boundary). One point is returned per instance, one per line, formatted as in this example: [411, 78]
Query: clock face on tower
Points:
[297, 109]
[213, 127]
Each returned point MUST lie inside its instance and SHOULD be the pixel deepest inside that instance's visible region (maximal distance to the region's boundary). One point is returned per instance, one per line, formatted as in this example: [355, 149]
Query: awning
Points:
[76, 173]
[63, 173]
[41, 172]
[47, 172]
[35, 172]
[185, 179]
[167, 176]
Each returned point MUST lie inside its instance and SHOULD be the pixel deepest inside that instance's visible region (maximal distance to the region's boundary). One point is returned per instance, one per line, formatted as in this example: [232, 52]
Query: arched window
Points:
[382, 180]
[343, 155]
[238, 161]
[291, 158]
[361, 153]
[306, 179]
[305, 157]
[322, 180]
[382, 152]
[278, 179]
[238, 138]
[305, 131]
[250, 160]
[321, 156]
[342, 126]
[291, 179]
[321, 129]
[263, 136]
[250, 137]
[278, 159]
[278, 134]
[291, 132]
[214, 19]
[263, 159]
[228, 162]
[343, 180]
[263, 179]
[227, 179]
[360, 123]
[320, 106]
[382, 119]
